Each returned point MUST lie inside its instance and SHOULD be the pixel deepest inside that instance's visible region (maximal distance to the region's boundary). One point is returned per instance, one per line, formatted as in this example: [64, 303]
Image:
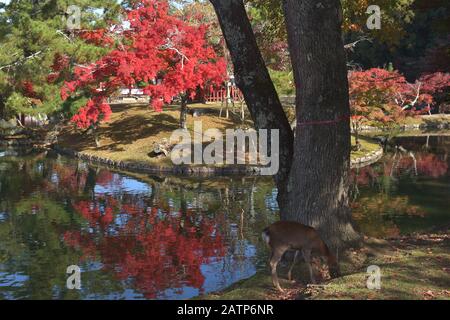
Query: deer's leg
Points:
[307, 256]
[292, 266]
[274, 259]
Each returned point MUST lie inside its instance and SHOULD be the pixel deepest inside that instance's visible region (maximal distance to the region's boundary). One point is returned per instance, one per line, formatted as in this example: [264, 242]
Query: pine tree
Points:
[40, 45]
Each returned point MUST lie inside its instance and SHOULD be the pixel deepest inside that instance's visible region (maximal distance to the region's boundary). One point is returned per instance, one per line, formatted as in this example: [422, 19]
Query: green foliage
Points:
[71, 105]
[16, 102]
[32, 33]
[269, 26]
[283, 81]
[395, 14]
[270, 12]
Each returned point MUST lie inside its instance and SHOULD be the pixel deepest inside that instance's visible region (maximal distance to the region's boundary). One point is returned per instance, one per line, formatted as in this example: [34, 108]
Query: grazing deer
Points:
[284, 235]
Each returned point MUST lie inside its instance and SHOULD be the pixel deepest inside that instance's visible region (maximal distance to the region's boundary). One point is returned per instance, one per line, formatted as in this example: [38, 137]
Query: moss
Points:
[368, 145]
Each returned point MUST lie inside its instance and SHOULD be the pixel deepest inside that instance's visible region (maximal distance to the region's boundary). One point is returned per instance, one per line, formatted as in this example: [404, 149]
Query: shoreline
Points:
[203, 171]
[425, 122]
[367, 159]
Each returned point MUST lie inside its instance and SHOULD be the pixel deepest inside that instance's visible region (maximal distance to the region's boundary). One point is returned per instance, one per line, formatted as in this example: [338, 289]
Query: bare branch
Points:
[21, 60]
[64, 35]
[169, 45]
[351, 46]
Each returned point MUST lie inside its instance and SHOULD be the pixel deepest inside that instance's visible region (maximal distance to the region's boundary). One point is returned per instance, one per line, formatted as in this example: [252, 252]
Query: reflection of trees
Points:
[370, 212]
[224, 208]
[33, 253]
[397, 188]
[401, 163]
[158, 250]
[426, 164]
[154, 241]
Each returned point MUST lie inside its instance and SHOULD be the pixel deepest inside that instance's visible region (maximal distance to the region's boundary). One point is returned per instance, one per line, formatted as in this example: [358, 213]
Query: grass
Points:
[427, 119]
[367, 146]
[415, 267]
[430, 120]
[132, 130]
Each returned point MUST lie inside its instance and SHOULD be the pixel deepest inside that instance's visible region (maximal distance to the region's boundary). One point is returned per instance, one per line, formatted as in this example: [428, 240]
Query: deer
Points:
[290, 235]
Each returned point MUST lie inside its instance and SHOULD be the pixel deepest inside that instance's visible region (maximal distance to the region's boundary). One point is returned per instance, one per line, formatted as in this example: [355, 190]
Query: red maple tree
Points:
[381, 97]
[436, 86]
[159, 52]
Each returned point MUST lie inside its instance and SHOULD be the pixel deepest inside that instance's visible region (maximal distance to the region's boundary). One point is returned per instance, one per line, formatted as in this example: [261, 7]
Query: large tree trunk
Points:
[254, 81]
[318, 181]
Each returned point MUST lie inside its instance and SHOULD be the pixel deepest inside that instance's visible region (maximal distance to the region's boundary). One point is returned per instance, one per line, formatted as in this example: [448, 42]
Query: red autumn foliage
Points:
[382, 97]
[436, 82]
[98, 37]
[378, 94]
[161, 53]
[372, 95]
[60, 62]
[28, 89]
[52, 77]
[60, 65]
[94, 111]
[437, 85]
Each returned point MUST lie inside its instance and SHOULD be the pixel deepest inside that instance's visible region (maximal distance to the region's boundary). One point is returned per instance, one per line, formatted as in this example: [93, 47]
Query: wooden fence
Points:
[219, 95]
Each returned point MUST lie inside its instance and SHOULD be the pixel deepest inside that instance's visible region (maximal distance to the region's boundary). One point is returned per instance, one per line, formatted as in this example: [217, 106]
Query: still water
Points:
[147, 237]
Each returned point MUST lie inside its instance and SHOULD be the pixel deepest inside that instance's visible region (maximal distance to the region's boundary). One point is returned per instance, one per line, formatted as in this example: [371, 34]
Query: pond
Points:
[148, 237]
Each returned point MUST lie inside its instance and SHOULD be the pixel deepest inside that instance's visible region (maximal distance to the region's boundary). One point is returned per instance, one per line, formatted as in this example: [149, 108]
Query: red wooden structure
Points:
[219, 95]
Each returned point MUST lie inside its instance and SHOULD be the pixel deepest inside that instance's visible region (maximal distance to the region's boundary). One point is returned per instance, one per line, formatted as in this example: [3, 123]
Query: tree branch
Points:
[351, 46]
[21, 60]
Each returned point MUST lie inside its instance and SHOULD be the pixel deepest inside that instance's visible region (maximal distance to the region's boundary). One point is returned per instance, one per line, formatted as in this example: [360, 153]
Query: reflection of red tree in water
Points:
[426, 164]
[363, 176]
[106, 177]
[157, 250]
[96, 212]
[68, 178]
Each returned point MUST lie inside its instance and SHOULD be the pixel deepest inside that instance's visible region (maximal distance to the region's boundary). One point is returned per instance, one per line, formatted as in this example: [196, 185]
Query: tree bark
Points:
[318, 181]
[183, 112]
[253, 80]
[2, 108]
